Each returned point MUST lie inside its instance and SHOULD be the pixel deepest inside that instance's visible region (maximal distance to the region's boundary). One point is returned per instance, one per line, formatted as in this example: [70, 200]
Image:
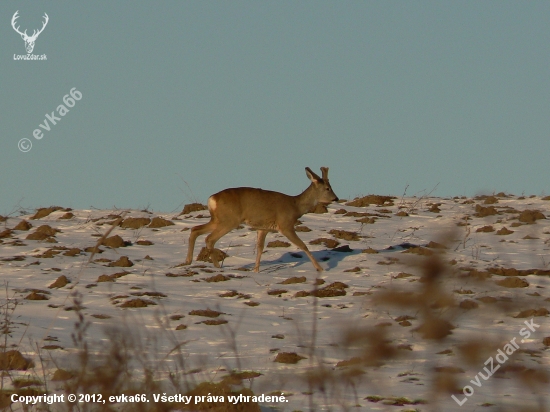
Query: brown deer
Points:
[263, 210]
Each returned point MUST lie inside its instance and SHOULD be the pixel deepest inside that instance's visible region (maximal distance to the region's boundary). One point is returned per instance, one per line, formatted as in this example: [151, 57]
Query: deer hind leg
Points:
[219, 231]
[293, 237]
[196, 232]
[260, 248]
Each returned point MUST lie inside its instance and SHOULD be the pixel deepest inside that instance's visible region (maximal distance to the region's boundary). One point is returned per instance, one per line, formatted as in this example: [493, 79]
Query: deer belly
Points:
[261, 224]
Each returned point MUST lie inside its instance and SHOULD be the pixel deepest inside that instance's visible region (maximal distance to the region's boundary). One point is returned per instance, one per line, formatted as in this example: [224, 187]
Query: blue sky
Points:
[181, 99]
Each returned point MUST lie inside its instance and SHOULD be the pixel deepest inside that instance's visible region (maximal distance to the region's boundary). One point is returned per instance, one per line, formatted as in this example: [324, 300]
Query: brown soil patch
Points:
[123, 262]
[356, 269]
[36, 296]
[468, 304]
[288, 357]
[357, 214]
[137, 303]
[67, 216]
[529, 313]
[72, 252]
[292, 280]
[435, 328]
[331, 290]
[276, 292]
[135, 222]
[370, 250]
[93, 249]
[485, 229]
[329, 243]
[530, 216]
[193, 207]
[186, 274]
[513, 282]
[372, 200]
[251, 303]
[366, 220]
[48, 254]
[546, 340]
[435, 245]
[214, 322]
[101, 316]
[62, 375]
[52, 347]
[144, 243]
[482, 211]
[350, 362]
[43, 232]
[158, 222]
[302, 229]
[490, 200]
[44, 211]
[151, 294]
[23, 225]
[204, 255]
[5, 233]
[217, 278]
[181, 327]
[60, 282]
[504, 231]
[343, 234]
[419, 250]
[13, 360]
[464, 291]
[208, 313]
[278, 243]
[230, 294]
[114, 242]
[402, 275]
[518, 272]
[319, 208]
[236, 378]
[111, 278]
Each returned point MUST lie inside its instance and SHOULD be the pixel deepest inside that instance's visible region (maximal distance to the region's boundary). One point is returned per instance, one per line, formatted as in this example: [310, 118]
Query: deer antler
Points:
[15, 17]
[35, 34]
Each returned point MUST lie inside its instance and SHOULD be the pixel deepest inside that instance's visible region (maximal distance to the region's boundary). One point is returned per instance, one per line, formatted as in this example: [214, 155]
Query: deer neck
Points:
[306, 200]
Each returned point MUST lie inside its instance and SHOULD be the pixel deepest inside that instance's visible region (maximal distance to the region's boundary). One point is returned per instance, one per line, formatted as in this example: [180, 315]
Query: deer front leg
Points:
[260, 248]
[293, 237]
[196, 232]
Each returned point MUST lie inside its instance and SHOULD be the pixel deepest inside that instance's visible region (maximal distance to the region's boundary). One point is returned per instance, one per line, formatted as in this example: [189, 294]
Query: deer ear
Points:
[312, 176]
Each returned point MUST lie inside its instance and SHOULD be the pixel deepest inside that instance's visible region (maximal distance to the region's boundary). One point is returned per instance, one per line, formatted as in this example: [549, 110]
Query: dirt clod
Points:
[288, 357]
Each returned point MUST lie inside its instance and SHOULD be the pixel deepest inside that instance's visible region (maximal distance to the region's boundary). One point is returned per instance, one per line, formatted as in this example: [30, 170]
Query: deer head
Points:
[29, 40]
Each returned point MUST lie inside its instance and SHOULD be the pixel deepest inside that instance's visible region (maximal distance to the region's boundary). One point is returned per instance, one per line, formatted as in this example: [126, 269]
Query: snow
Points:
[247, 341]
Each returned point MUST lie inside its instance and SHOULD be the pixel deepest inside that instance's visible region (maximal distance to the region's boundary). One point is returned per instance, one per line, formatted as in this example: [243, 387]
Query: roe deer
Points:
[263, 210]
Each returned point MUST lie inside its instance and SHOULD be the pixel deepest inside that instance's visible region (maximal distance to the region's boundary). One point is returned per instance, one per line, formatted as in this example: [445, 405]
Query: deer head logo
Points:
[29, 40]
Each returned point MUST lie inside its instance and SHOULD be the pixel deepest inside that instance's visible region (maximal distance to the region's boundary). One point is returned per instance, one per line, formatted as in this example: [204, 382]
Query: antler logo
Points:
[29, 40]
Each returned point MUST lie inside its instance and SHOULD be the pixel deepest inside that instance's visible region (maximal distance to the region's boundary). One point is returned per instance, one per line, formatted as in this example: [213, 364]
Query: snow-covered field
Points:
[392, 281]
